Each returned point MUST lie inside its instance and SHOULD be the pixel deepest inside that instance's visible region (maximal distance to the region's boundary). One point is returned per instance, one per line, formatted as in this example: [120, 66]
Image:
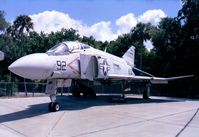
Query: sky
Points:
[105, 20]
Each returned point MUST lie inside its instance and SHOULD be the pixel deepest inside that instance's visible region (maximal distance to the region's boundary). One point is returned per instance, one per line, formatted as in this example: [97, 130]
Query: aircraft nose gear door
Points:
[88, 67]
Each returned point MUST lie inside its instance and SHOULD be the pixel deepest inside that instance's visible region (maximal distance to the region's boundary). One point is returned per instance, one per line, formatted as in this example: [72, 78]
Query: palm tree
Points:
[139, 34]
[23, 24]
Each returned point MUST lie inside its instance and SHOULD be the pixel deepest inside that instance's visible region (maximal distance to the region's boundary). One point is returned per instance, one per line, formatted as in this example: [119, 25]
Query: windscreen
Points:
[59, 49]
[68, 47]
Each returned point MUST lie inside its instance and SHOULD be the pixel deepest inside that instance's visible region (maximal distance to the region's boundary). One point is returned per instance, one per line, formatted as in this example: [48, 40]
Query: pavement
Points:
[156, 117]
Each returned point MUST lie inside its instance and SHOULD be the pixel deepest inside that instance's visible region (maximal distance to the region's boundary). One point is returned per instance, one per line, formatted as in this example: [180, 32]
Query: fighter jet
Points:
[72, 62]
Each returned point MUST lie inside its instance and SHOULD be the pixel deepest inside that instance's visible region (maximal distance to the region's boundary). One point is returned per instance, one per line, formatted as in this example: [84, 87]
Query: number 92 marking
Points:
[61, 65]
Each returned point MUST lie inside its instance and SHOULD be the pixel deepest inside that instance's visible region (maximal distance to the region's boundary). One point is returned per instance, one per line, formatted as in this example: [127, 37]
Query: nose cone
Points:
[35, 66]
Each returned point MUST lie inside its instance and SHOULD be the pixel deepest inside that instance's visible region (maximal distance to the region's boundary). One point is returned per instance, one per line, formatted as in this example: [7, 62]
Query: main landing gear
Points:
[146, 92]
[121, 98]
[85, 90]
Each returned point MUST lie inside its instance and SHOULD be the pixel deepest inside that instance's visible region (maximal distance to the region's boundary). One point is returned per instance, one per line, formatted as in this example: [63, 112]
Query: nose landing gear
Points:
[53, 106]
[51, 89]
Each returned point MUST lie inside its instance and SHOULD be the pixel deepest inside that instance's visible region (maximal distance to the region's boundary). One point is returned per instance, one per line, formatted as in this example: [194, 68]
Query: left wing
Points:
[153, 80]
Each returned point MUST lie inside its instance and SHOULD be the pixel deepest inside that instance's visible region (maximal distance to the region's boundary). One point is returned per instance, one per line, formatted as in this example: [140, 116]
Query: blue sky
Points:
[105, 20]
[89, 11]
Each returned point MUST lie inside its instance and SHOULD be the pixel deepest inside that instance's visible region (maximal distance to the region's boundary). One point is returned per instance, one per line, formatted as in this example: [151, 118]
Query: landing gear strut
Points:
[146, 92]
[51, 89]
[120, 99]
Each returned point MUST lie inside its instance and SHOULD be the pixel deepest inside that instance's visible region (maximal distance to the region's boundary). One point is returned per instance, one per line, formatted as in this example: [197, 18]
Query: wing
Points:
[153, 80]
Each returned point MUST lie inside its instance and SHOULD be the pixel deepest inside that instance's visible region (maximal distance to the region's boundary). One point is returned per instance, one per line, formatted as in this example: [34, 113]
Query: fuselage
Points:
[73, 65]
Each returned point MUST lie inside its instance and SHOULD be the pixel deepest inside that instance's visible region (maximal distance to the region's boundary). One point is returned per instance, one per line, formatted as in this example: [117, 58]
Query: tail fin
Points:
[129, 56]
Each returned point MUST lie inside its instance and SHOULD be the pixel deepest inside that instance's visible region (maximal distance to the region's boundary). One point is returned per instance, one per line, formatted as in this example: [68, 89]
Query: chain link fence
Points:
[8, 89]
[22, 89]
[176, 89]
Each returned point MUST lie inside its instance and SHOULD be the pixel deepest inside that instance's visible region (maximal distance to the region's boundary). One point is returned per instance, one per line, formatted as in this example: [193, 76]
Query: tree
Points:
[167, 41]
[18, 31]
[119, 46]
[189, 15]
[176, 46]
[23, 24]
[3, 23]
[139, 34]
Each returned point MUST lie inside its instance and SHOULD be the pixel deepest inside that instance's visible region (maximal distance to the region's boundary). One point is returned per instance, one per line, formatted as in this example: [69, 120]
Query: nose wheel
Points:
[53, 106]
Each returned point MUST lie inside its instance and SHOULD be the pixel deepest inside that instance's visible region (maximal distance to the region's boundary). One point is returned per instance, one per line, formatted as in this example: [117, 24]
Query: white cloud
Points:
[49, 21]
[152, 16]
[126, 23]
[102, 31]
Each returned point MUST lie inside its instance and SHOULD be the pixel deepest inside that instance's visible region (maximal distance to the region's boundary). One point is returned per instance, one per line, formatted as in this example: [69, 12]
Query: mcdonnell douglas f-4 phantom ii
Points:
[72, 60]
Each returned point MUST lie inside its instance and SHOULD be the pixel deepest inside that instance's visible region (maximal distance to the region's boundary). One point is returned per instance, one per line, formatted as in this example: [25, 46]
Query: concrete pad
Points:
[159, 116]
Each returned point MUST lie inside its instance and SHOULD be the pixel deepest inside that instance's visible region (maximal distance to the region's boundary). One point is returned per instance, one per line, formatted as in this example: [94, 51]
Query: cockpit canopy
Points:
[67, 47]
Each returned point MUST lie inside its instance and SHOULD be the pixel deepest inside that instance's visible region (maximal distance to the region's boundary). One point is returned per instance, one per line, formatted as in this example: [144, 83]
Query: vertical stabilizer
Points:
[129, 56]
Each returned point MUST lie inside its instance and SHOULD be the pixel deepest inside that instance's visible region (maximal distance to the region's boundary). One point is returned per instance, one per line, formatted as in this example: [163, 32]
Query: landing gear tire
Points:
[53, 107]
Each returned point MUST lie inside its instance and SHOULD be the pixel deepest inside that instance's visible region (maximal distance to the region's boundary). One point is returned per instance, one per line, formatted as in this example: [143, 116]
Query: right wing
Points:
[153, 80]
